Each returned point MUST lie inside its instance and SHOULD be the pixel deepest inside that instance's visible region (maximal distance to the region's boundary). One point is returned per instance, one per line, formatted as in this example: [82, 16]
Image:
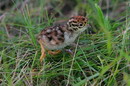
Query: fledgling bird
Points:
[58, 37]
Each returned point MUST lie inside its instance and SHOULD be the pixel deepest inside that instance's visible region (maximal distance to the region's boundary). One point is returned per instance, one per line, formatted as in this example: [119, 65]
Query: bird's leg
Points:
[54, 52]
[43, 54]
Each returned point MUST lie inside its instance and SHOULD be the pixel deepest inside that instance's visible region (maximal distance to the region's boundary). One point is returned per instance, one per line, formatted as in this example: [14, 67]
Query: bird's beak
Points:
[88, 25]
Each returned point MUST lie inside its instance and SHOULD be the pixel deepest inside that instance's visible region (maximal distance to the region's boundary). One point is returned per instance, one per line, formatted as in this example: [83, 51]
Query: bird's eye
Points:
[81, 24]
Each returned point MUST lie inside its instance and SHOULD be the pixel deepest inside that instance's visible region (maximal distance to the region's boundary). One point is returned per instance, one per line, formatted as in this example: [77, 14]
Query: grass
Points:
[102, 53]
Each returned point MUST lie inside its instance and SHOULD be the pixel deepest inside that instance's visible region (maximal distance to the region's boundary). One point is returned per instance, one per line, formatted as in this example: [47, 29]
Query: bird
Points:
[56, 37]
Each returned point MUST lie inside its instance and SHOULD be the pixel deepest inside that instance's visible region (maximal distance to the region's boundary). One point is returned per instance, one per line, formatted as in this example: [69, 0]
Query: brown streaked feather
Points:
[54, 33]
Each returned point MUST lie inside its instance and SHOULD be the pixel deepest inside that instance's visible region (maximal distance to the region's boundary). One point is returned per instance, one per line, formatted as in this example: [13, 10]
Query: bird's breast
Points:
[69, 38]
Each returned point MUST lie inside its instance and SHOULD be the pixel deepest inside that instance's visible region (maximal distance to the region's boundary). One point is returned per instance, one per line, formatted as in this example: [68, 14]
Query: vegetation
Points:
[101, 55]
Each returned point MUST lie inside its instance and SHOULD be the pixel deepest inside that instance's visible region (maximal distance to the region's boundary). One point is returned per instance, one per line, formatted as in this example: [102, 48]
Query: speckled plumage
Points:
[59, 36]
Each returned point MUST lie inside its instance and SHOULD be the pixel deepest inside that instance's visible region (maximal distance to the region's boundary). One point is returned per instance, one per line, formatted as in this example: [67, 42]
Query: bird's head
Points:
[77, 23]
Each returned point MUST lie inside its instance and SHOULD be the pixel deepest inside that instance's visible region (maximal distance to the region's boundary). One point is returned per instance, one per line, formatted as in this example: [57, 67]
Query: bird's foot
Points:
[69, 51]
